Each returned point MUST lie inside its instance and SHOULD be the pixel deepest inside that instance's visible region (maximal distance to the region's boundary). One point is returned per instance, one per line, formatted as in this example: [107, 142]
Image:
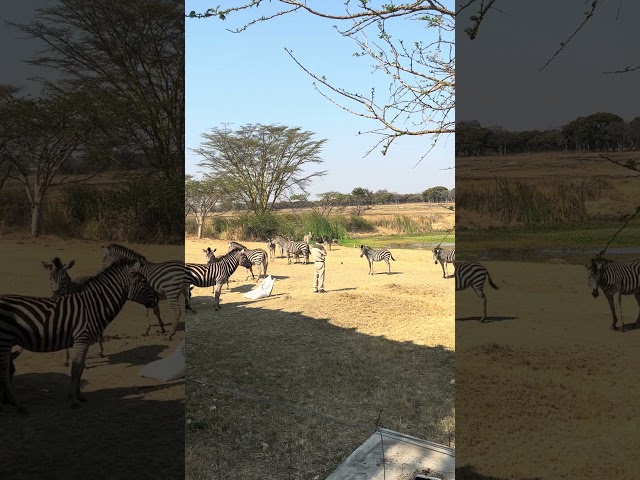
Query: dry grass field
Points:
[372, 346]
[547, 390]
[127, 421]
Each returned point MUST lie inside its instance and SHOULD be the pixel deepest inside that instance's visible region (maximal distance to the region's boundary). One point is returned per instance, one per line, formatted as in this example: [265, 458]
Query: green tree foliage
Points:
[260, 164]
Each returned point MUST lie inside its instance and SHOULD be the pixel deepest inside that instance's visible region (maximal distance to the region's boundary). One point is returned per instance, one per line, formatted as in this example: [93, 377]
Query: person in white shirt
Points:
[319, 254]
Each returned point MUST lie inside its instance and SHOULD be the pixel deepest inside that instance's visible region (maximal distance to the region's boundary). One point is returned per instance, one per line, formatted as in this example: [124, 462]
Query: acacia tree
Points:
[362, 198]
[259, 164]
[40, 136]
[128, 57]
[420, 97]
[203, 197]
[330, 200]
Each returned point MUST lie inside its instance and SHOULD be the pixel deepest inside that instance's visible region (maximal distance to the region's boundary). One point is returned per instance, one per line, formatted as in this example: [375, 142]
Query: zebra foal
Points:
[615, 279]
[294, 248]
[380, 255]
[474, 275]
[73, 321]
[444, 257]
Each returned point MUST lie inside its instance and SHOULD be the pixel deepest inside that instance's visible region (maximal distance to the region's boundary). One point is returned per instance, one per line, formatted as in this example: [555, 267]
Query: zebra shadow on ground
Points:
[113, 435]
[140, 355]
[490, 318]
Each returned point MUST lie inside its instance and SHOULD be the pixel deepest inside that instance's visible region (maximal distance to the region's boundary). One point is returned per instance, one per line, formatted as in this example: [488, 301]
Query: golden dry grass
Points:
[549, 391]
[127, 422]
[373, 345]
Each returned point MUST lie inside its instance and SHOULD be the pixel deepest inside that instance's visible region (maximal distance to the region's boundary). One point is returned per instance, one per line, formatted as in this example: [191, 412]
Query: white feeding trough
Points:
[263, 290]
[405, 458]
[166, 369]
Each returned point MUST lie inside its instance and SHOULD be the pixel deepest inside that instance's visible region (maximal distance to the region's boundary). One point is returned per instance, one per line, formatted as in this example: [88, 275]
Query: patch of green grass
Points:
[408, 240]
[592, 236]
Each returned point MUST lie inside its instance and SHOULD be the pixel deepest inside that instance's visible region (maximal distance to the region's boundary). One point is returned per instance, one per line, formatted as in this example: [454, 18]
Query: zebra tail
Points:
[392, 257]
[493, 285]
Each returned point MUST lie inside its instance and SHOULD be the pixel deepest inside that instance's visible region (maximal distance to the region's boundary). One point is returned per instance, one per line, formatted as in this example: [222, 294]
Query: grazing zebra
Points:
[167, 279]
[271, 246]
[214, 273]
[381, 255]
[244, 262]
[256, 256]
[307, 238]
[77, 320]
[294, 248]
[472, 274]
[615, 279]
[61, 284]
[444, 257]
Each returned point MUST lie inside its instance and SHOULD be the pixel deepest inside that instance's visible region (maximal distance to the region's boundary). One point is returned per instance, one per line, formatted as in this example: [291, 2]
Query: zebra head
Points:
[113, 252]
[209, 254]
[59, 279]
[139, 289]
[363, 250]
[436, 254]
[594, 268]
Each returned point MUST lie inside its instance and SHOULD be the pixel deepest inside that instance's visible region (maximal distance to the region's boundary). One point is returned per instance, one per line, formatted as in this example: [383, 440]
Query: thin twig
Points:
[619, 230]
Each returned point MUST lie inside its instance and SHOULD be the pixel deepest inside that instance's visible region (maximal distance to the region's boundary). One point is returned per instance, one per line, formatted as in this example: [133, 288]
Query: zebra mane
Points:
[117, 246]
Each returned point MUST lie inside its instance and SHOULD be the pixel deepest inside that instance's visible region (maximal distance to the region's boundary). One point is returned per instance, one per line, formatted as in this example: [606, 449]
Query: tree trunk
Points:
[200, 229]
[36, 218]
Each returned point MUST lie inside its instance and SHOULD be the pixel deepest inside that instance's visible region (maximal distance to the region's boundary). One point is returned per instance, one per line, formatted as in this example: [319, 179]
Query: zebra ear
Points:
[47, 266]
[70, 264]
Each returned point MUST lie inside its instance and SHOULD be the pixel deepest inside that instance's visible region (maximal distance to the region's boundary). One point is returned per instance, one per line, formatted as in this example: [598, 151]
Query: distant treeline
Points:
[599, 132]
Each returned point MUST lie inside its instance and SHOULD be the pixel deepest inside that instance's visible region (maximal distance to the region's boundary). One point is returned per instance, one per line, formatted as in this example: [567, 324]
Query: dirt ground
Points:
[548, 390]
[373, 346]
[127, 421]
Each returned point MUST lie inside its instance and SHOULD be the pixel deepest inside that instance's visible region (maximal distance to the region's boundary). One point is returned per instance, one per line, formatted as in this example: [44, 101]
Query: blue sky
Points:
[249, 78]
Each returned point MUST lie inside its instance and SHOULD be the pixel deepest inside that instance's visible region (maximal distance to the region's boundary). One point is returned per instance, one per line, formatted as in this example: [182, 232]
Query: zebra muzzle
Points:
[594, 293]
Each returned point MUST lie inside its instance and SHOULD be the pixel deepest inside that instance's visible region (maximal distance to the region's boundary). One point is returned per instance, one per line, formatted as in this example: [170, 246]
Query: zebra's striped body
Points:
[257, 256]
[166, 278]
[244, 262]
[76, 320]
[615, 279]
[474, 275]
[271, 246]
[294, 248]
[444, 257]
[380, 255]
[215, 273]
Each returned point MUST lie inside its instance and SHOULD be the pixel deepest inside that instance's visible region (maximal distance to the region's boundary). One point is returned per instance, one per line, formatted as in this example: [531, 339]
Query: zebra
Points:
[271, 246]
[473, 274]
[329, 241]
[214, 273]
[167, 278]
[61, 284]
[444, 257]
[244, 262]
[294, 248]
[381, 255]
[256, 256]
[76, 320]
[615, 279]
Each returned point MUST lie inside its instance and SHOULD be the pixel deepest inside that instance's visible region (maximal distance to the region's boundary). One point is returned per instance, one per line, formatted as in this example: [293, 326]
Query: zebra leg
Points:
[444, 271]
[389, 265]
[614, 325]
[80, 349]
[174, 304]
[156, 311]
[482, 297]
[100, 345]
[216, 300]
[66, 361]
[637, 295]
[619, 301]
[6, 387]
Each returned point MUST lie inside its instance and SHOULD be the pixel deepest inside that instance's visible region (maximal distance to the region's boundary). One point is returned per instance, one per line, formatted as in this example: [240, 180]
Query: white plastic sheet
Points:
[263, 290]
[166, 369]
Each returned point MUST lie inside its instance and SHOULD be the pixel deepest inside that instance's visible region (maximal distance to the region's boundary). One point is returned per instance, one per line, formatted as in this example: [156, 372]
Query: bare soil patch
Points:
[372, 346]
[547, 390]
